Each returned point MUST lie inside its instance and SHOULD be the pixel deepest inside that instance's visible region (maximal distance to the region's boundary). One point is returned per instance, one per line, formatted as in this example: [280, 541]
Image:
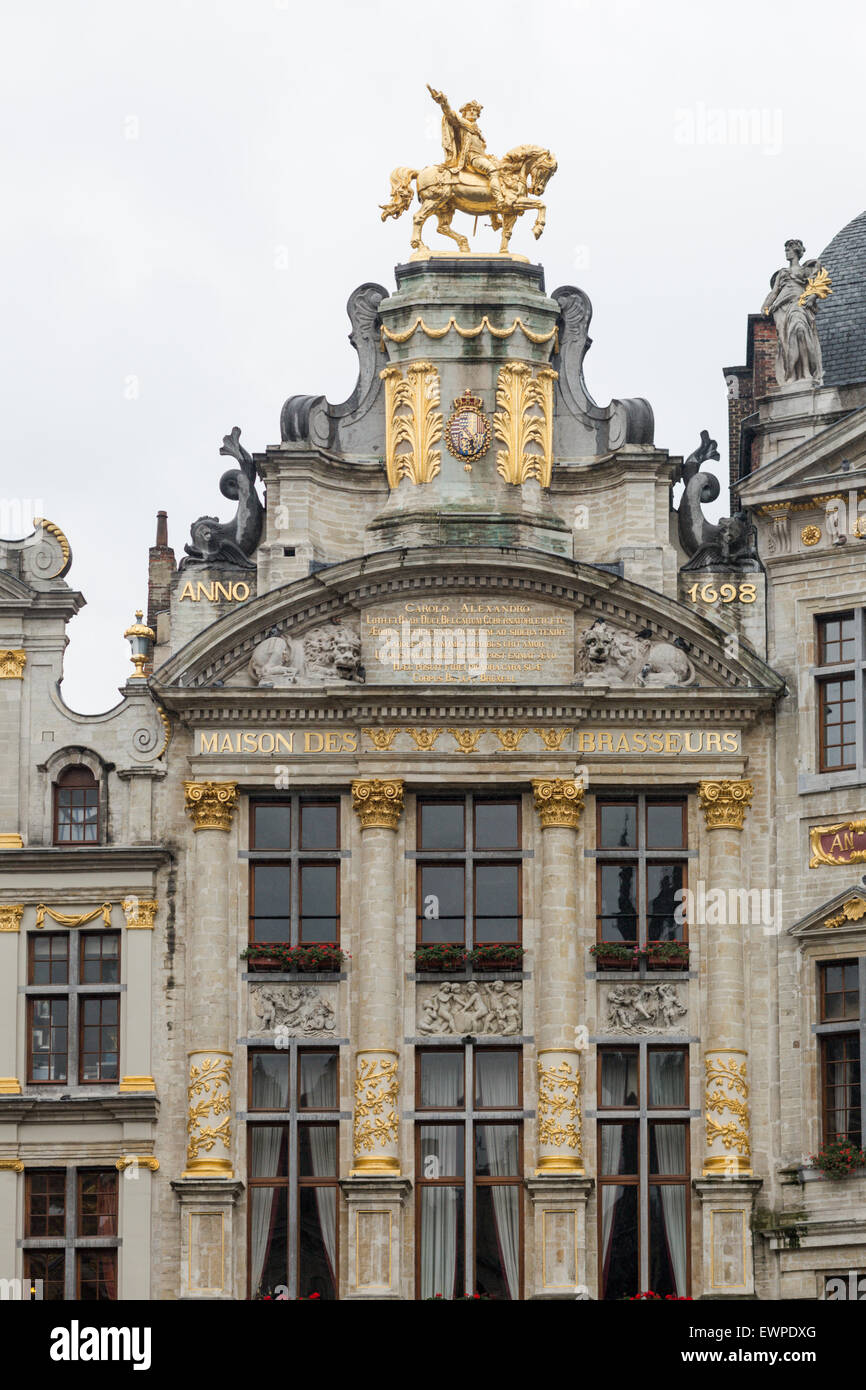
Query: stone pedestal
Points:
[207, 1268]
[559, 985]
[559, 1218]
[375, 1243]
[726, 1214]
[727, 1130]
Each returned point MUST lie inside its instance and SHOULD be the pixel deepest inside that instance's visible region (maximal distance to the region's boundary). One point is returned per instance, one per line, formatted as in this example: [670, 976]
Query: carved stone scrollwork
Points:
[413, 423]
[724, 803]
[527, 436]
[211, 804]
[559, 802]
[378, 803]
[729, 544]
[346, 426]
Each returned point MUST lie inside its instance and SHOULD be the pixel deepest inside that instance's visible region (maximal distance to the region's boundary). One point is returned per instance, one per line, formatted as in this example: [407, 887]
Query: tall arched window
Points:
[76, 807]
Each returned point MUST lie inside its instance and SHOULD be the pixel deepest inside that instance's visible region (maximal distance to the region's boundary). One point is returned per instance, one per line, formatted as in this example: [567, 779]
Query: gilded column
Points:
[559, 1189]
[728, 1140]
[211, 805]
[375, 1132]
[559, 989]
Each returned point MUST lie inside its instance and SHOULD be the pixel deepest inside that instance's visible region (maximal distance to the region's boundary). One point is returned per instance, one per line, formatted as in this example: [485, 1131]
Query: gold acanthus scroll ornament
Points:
[378, 803]
[724, 803]
[413, 423]
[559, 802]
[524, 423]
[211, 804]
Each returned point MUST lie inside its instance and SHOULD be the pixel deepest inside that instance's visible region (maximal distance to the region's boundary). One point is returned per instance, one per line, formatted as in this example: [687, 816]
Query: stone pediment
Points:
[329, 631]
[13, 590]
[840, 916]
[832, 461]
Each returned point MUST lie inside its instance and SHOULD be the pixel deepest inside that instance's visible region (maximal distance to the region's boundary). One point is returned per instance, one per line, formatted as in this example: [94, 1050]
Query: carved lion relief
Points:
[611, 655]
[323, 656]
[643, 1009]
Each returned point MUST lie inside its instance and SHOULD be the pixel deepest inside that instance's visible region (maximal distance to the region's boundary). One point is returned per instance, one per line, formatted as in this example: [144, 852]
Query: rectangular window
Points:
[77, 1209]
[293, 1172]
[469, 884]
[469, 1172]
[839, 677]
[295, 871]
[841, 1030]
[643, 1175]
[641, 870]
[73, 1018]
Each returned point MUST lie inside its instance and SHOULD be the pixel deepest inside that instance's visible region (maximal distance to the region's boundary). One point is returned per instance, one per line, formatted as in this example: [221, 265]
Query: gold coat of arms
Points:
[472, 180]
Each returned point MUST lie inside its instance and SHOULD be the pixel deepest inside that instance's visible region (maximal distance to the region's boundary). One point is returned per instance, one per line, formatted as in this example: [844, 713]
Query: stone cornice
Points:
[78, 1110]
[226, 645]
[85, 859]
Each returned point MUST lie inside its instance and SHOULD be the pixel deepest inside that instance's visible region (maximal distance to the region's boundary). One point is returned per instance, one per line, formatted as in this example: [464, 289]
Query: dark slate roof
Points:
[842, 316]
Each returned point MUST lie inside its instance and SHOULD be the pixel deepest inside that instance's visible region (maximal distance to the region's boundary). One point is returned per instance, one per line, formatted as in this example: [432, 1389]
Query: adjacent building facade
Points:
[465, 895]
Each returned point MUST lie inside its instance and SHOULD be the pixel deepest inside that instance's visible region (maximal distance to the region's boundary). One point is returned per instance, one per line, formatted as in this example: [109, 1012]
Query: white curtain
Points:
[497, 1088]
[265, 1141]
[666, 1088]
[321, 1094]
[440, 1205]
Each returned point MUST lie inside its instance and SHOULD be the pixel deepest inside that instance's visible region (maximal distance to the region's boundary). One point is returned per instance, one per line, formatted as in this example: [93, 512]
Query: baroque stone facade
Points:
[555, 769]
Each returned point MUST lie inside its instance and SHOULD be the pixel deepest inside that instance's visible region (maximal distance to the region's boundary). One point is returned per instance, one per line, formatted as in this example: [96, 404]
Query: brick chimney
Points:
[160, 570]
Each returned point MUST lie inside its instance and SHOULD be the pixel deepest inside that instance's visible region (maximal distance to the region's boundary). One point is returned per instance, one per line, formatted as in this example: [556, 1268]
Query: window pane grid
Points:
[639, 896]
[474, 896]
[78, 1208]
[295, 898]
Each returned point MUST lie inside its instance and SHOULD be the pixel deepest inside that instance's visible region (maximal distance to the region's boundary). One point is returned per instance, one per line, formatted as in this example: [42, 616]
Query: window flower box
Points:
[839, 1159]
[495, 955]
[615, 955]
[668, 955]
[323, 958]
[440, 957]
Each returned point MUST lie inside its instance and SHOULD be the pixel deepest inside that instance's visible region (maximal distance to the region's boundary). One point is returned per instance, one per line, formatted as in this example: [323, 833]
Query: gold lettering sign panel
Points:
[462, 638]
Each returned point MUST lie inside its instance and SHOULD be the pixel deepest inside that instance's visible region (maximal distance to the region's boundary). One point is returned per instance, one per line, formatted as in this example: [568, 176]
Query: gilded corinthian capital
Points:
[378, 803]
[12, 663]
[558, 801]
[211, 804]
[724, 803]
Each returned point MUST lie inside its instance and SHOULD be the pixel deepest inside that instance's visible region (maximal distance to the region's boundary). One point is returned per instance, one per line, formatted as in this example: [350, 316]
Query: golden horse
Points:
[523, 173]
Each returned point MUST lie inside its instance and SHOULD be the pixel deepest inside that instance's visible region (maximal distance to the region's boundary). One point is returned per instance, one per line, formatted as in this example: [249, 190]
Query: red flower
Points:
[315, 1295]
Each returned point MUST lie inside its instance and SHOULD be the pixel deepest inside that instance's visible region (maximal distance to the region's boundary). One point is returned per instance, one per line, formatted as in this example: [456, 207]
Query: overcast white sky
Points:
[164, 161]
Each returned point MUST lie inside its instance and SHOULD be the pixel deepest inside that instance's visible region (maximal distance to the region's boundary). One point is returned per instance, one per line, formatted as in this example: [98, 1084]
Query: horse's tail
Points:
[402, 192]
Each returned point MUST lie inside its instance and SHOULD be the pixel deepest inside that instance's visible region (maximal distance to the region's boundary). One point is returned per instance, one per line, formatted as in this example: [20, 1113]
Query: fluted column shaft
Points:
[376, 1129]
